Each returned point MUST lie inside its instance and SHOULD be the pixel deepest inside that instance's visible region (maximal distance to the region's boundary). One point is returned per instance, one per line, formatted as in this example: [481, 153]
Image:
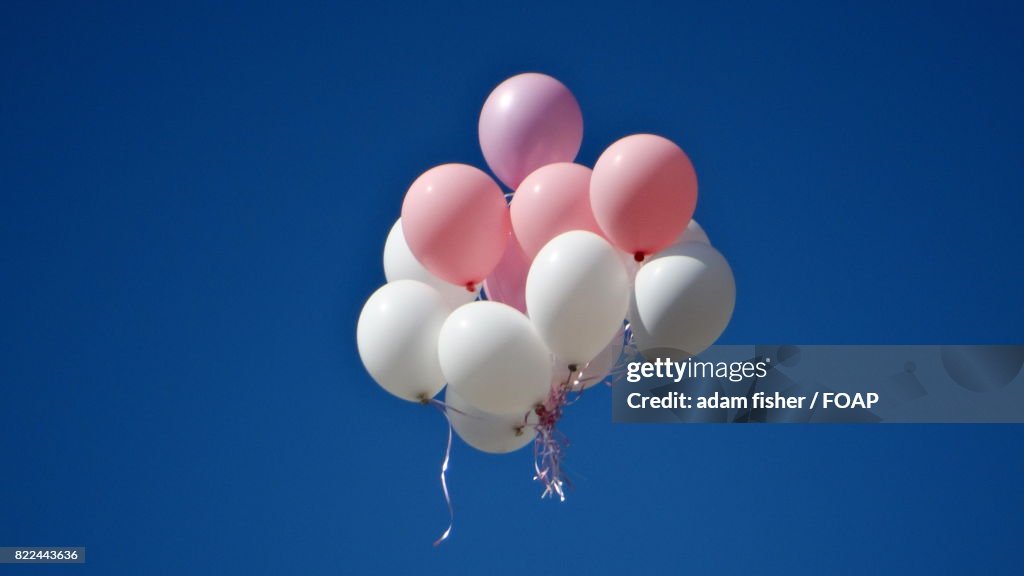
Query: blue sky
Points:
[193, 202]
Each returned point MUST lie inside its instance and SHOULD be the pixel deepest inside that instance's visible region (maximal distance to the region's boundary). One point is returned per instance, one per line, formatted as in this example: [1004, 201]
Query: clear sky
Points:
[194, 199]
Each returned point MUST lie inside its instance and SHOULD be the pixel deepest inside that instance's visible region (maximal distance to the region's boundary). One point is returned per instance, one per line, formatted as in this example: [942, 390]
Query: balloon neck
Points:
[470, 287]
[423, 399]
[639, 256]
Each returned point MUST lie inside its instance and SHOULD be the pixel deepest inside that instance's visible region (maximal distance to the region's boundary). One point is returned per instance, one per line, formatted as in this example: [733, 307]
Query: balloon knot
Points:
[573, 367]
[470, 287]
[639, 256]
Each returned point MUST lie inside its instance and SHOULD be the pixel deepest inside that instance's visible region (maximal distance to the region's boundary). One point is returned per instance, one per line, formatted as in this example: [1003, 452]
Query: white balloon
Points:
[577, 294]
[630, 264]
[397, 339]
[682, 301]
[694, 233]
[400, 264]
[494, 359]
[492, 433]
[597, 369]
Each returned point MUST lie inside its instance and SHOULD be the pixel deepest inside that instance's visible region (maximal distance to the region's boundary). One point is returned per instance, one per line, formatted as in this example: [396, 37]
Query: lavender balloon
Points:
[507, 282]
[528, 121]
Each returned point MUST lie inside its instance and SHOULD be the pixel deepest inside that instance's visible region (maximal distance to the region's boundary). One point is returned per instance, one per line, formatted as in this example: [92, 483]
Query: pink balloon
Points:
[456, 223]
[507, 282]
[528, 121]
[552, 200]
[643, 192]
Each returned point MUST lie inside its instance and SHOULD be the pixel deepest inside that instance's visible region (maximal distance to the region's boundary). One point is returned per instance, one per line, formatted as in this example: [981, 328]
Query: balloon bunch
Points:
[576, 265]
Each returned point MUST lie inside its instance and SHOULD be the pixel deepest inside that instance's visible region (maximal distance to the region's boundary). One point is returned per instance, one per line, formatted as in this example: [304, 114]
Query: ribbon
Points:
[444, 474]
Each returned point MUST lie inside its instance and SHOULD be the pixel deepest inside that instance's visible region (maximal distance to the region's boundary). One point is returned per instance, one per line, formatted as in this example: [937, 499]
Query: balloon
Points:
[682, 301]
[400, 264]
[643, 192]
[529, 121]
[492, 433]
[552, 200]
[630, 265]
[456, 223]
[598, 368]
[397, 339]
[507, 282]
[577, 294]
[494, 359]
[694, 233]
